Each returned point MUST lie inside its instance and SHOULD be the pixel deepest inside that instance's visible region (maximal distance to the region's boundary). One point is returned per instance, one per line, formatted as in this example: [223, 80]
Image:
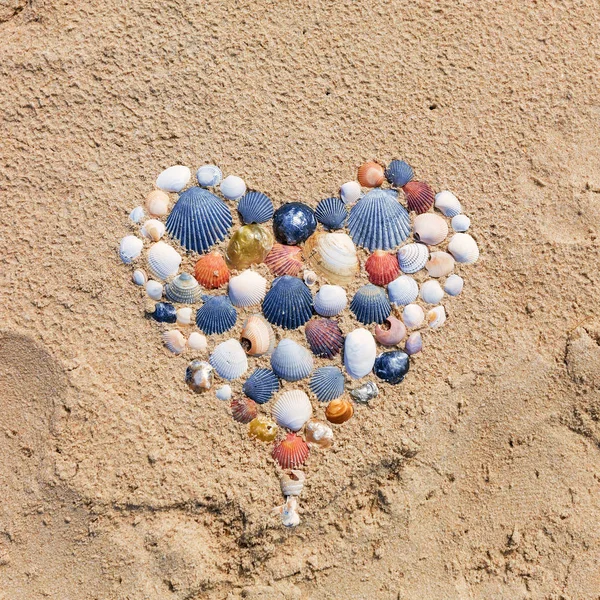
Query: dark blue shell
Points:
[261, 385]
[199, 220]
[294, 223]
[216, 315]
[255, 207]
[327, 383]
[399, 173]
[370, 304]
[378, 221]
[288, 303]
[392, 366]
[331, 213]
[164, 312]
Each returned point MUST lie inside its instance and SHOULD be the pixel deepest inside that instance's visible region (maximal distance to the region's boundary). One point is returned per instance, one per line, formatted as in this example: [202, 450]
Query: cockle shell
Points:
[333, 256]
[153, 229]
[310, 278]
[243, 410]
[154, 289]
[382, 267]
[209, 175]
[284, 260]
[447, 203]
[393, 335]
[292, 409]
[288, 512]
[464, 248]
[412, 257]
[439, 264]
[327, 383]
[216, 315]
[331, 213]
[288, 303]
[413, 315]
[199, 376]
[185, 315]
[370, 304]
[184, 289]
[130, 248]
[359, 353]
[247, 289]
[430, 229]
[454, 285]
[249, 245]
[419, 196]
[436, 317]
[263, 429]
[324, 337]
[339, 411]
[290, 361]
[229, 360]
[414, 343]
[233, 187]
[403, 291]
[163, 260]
[157, 203]
[290, 452]
[461, 223]
[292, 483]
[197, 341]
[261, 385]
[318, 434]
[137, 214]
[398, 173]
[258, 337]
[350, 192]
[224, 392]
[255, 207]
[173, 179]
[392, 366]
[139, 277]
[370, 175]
[211, 272]
[330, 300]
[174, 341]
[294, 223]
[431, 291]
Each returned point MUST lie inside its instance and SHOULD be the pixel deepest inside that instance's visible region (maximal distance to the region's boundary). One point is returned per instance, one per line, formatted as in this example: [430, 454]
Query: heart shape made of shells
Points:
[261, 272]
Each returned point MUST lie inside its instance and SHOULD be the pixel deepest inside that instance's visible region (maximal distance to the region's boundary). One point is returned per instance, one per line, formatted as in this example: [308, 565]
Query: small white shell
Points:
[310, 278]
[137, 214]
[350, 192]
[330, 300]
[197, 341]
[157, 203]
[233, 187]
[464, 248]
[209, 175]
[174, 341]
[431, 291]
[163, 260]
[439, 264]
[224, 392]
[461, 223]
[436, 317]
[173, 179]
[454, 285]
[229, 360]
[414, 343]
[413, 315]
[153, 229]
[430, 229]
[139, 277]
[292, 483]
[360, 351]
[292, 410]
[130, 248]
[154, 289]
[413, 257]
[447, 203]
[247, 289]
[403, 290]
[184, 315]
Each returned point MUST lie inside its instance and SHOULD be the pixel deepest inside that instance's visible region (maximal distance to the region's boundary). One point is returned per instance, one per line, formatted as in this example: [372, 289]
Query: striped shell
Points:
[324, 337]
[448, 204]
[382, 267]
[229, 360]
[261, 385]
[359, 353]
[258, 337]
[284, 260]
[413, 257]
[184, 289]
[403, 291]
[331, 213]
[290, 361]
[211, 271]
[163, 260]
[339, 411]
[464, 248]
[291, 452]
[439, 264]
[292, 409]
[243, 410]
[173, 179]
[255, 207]
[327, 383]
[398, 173]
[130, 248]
[216, 315]
[330, 300]
[370, 304]
[332, 255]
[174, 341]
[247, 289]
[431, 291]
[288, 303]
[370, 175]
[419, 196]
[393, 335]
[430, 229]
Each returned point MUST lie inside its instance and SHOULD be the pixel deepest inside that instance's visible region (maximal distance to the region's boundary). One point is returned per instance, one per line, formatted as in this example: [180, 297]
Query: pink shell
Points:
[382, 267]
[284, 260]
[419, 196]
[324, 337]
[243, 409]
[392, 336]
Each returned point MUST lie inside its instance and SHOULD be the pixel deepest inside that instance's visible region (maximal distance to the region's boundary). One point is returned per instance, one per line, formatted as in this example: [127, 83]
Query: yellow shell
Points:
[263, 429]
[339, 411]
[249, 245]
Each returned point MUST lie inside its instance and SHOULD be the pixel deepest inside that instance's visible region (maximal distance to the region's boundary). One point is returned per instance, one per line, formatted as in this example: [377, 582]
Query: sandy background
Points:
[478, 478]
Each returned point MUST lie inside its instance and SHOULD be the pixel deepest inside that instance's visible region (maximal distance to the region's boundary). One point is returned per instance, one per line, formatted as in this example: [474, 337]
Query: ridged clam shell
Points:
[431, 291]
[331, 213]
[330, 300]
[211, 271]
[261, 385]
[284, 260]
[216, 315]
[173, 179]
[258, 337]
[130, 248]
[461, 223]
[157, 203]
[439, 264]
[255, 207]
[414, 343]
[413, 315]
[229, 360]
[370, 304]
[382, 267]
[359, 353]
[318, 434]
[139, 277]
[209, 175]
[184, 289]
[464, 248]
[447, 203]
[233, 187]
[288, 303]
[332, 255]
[174, 341]
[453, 286]
[137, 214]
[419, 196]
[430, 229]
[185, 315]
[350, 192]
[413, 257]
[392, 366]
[398, 173]
[243, 410]
[393, 335]
[339, 411]
[290, 452]
[291, 484]
[199, 220]
[197, 341]
[403, 291]
[370, 175]
[199, 376]
[436, 317]
[163, 260]
[378, 221]
[247, 289]
[290, 361]
[324, 337]
[154, 289]
[327, 383]
[292, 409]
[153, 229]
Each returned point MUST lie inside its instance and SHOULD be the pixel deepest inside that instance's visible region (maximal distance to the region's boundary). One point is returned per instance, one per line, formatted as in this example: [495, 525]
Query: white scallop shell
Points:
[413, 257]
[224, 392]
[137, 214]
[403, 290]
[154, 289]
[461, 223]
[292, 483]
[436, 317]
[439, 264]
[350, 192]
[247, 289]
[464, 248]
[448, 203]
[430, 229]
[330, 300]
[153, 229]
[173, 179]
[413, 315]
[185, 315]
[130, 248]
[454, 285]
[431, 291]
[209, 175]
[360, 351]
[292, 410]
[174, 341]
[163, 260]
[139, 277]
[233, 187]
[229, 360]
[310, 278]
[197, 341]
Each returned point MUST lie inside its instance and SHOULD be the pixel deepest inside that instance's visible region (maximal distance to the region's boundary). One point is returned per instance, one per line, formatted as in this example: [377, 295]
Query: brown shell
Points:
[382, 267]
[291, 452]
[393, 335]
[324, 337]
[211, 271]
[243, 410]
[262, 428]
[339, 411]
[371, 174]
[419, 196]
[284, 260]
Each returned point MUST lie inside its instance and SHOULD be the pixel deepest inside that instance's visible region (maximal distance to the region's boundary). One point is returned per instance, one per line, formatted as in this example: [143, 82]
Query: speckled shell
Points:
[464, 248]
[330, 300]
[217, 315]
[288, 303]
[209, 175]
[255, 207]
[263, 429]
[184, 289]
[290, 361]
[393, 335]
[290, 452]
[130, 248]
[436, 317]
[333, 256]
[327, 383]
[430, 229]
[403, 291]
[157, 203]
[324, 337]
[419, 196]
[243, 410]
[294, 223]
[173, 179]
[331, 213]
[370, 304]
[447, 203]
[453, 286]
[370, 175]
[319, 434]
[392, 366]
[413, 315]
[258, 337]
[292, 409]
[339, 411]
[153, 229]
[382, 267]
[284, 260]
[398, 173]
[211, 271]
[163, 260]
[249, 245]
[247, 289]
[174, 341]
[359, 353]
[431, 291]
[199, 376]
[414, 343]
[261, 385]
[440, 264]
[413, 257]
[164, 312]
[229, 360]
[233, 187]
[350, 192]
[461, 223]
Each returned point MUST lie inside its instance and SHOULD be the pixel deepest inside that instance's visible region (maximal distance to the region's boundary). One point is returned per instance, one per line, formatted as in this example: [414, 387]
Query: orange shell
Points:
[290, 452]
[339, 410]
[382, 267]
[211, 271]
[419, 196]
[243, 410]
[284, 260]
[371, 175]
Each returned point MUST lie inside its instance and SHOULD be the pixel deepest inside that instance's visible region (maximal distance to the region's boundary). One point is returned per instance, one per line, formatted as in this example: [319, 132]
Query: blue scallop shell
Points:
[288, 303]
[378, 221]
[291, 361]
[399, 173]
[327, 383]
[261, 385]
[331, 213]
[255, 207]
[370, 304]
[216, 315]
[199, 220]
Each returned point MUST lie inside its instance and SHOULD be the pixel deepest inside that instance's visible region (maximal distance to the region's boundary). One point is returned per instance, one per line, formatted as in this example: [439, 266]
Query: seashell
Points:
[414, 343]
[229, 360]
[290, 361]
[261, 385]
[431, 291]
[331, 213]
[154, 289]
[294, 223]
[392, 366]
[413, 315]
[339, 411]
[284, 260]
[350, 192]
[216, 315]
[393, 335]
[324, 337]
[250, 244]
[184, 289]
[447, 203]
[153, 229]
[173, 179]
[332, 255]
[430, 229]
[288, 512]
[139, 277]
[292, 409]
[370, 175]
[174, 341]
[382, 267]
[163, 260]
[327, 383]
[184, 315]
[413, 257]
[199, 376]
[243, 410]
[197, 341]
[403, 291]
[454, 285]
[263, 429]
[370, 304]
[419, 196]
[233, 187]
[330, 300]
[288, 303]
[209, 175]
[130, 248]
[247, 289]
[359, 353]
[460, 223]
[157, 203]
[137, 214]
[439, 264]
[211, 271]
[290, 452]
[319, 434]
[365, 392]
[164, 313]
[199, 220]
[378, 221]
[224, 392]
[464, 248]
[398, 173]
[255, 207]
[436, 317]
[258, 337]
[310, 278]
[291, 484]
